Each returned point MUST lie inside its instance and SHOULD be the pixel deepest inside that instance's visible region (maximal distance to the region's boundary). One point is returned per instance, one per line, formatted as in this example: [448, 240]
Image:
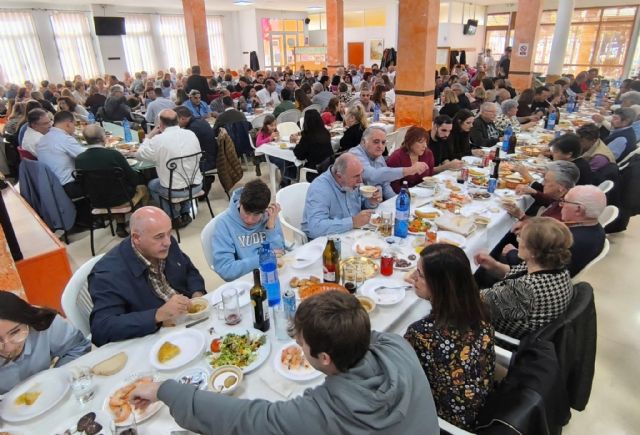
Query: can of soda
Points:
[486, 160]
[491, 187]
[289, 302]
[464, 174]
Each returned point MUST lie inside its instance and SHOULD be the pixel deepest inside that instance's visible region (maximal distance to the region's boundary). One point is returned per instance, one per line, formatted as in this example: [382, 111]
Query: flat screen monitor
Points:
[471, 27]
[109, 26]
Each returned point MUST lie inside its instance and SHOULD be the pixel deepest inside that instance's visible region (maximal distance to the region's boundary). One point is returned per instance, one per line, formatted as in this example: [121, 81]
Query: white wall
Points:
[451, 35]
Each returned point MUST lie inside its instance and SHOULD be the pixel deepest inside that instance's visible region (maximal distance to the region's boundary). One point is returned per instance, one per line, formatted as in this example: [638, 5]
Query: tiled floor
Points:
[615, 399]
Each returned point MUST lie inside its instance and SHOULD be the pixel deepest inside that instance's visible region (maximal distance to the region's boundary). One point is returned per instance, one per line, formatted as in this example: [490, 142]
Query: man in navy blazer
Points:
[143, 283]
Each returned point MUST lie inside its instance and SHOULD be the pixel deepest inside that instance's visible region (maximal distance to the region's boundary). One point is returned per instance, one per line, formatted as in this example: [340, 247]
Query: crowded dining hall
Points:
[339, 217]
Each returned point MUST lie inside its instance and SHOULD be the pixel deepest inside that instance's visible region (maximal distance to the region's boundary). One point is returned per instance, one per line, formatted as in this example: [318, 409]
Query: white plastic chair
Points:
[205, 239]
[288, 128]
[628, 157]
[608, 215]
[606, 186]
[315, 107]
[291, 115]
[580, 276]
[401, 133]
[392, 144]
[304, 171]
[76, 301]
[292, 199]
[258, 120]
[507, 339]
[451, 429]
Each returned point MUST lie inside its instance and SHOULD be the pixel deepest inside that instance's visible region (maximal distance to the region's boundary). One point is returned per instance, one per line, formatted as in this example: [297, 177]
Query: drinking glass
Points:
[349, 277]
[230, 306]
[386, 227]
[82, 383]
[281, 320]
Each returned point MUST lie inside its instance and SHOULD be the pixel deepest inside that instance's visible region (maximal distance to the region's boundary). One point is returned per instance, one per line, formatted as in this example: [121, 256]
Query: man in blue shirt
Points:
[334, 204]
[199, 108]
[376, 172]
[58, 150]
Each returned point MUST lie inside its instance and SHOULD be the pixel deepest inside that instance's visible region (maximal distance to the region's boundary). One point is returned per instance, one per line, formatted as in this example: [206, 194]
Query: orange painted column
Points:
[9, 277]
[417, 45]
[195, 20]
[335, 35]
[527, 25]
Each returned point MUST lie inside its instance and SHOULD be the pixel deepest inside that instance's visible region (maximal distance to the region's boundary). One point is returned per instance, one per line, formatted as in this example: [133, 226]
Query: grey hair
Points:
[626, 114]
[487, 105]
[565, 173]
[115, 88]
[457, 86]
[630, 98]
[94, 134]
[317, 87]
[341, 163]
[369, 131]
[508, 105]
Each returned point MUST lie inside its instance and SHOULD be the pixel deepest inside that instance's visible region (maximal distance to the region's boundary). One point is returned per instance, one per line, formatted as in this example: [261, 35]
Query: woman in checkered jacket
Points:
[537, 291]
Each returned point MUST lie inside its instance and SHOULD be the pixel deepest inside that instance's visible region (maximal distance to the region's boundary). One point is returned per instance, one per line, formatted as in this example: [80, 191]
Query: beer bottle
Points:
[259, 302]
[330, 263]
[496, 164]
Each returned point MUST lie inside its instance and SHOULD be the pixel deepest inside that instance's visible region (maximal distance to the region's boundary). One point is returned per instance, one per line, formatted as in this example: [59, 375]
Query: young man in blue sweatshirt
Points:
[249, 222]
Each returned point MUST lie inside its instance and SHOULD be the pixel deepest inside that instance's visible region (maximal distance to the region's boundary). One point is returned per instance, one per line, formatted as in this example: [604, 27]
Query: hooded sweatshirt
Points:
[385, 393]
[235, 245]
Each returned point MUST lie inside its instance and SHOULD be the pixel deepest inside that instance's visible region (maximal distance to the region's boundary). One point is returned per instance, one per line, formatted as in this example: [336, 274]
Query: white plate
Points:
[132, 162]
[72, 422]
[262, 353]
[444, 236]
[405, 257]
[54, 385]
[191, 344]
[140, 416]
[368, 241]
[243, 287]
[308, 254]
[300, 375]
[192, 375]
[384, 291]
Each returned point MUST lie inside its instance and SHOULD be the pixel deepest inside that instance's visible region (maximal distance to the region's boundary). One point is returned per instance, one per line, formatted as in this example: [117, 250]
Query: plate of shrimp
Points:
[291, 363]
[118, 403]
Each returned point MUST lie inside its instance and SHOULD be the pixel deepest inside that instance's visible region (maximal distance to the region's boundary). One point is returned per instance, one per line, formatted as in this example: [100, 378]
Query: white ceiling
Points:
[227, 5]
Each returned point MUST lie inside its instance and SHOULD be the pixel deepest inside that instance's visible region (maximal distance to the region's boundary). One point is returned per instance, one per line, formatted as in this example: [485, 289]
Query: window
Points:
[75, 46]
[444, 13]
[353, 19]
[498, 20]
[318, 21]
[138, 44]
[598, 38]
[279, 40]
[499, 33]
[216, 42]
[174, 41]
[19, 42]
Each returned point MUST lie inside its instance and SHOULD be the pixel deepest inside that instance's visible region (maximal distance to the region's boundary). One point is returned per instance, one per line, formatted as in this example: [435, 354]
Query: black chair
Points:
[107, 192]
[178, 171]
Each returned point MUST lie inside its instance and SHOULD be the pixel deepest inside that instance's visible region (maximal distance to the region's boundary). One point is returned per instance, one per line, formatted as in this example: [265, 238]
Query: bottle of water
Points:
[127, 131]
[249, 107]
[403, 207]
[507, 137]
[571, 105]
[269, 274]
[599, 98]
[376, 112]
[91, 119]
[551, 121]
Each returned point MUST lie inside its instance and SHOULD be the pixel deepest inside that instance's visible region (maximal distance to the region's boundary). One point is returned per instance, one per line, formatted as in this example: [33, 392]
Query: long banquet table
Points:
[265, 382]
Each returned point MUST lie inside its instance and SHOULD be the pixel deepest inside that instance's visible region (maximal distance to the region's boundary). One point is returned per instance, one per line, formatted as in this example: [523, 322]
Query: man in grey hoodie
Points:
[374, 384]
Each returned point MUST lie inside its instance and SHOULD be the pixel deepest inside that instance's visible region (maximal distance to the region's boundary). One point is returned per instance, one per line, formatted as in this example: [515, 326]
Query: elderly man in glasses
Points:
[199, 108]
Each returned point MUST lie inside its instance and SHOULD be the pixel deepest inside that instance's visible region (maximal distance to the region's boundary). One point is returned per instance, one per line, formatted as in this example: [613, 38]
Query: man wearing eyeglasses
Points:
[249, 222]
[199, 108]
[39, 125]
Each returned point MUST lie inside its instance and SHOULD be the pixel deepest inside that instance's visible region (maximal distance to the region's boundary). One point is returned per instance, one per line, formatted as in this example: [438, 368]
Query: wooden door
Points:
[355, 53]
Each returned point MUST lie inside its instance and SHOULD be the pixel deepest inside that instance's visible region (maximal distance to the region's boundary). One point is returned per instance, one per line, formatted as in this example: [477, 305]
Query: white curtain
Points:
[138, 44]
[216, 42]
[20, 53]
[174, 41]
[75, 47]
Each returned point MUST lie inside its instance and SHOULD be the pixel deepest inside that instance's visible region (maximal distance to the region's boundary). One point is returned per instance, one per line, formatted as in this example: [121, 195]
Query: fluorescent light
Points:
[243, 2]
[315, 8]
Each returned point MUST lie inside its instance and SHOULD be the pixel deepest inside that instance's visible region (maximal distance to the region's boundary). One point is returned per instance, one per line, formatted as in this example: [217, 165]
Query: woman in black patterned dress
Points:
[537, 291]
[454, 342]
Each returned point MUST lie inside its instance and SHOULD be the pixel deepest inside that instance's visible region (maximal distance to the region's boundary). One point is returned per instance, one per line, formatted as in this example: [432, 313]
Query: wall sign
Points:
[523, 49]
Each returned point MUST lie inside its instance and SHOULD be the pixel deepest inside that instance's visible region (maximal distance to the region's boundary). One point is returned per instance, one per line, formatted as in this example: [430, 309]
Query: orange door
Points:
[355, 53]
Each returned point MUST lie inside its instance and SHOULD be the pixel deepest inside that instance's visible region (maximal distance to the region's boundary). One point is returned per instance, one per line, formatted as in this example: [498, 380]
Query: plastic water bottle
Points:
[127, 131]
[551, 121]
[269, 274]
[403, 207]
[91, 119]
[249, 107]
[376, 112]
[599, 98]
[571, 105]
[507, 137]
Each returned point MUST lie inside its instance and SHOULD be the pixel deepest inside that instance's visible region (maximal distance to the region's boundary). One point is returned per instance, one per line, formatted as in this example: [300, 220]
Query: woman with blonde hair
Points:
[17, 114]
[355, 119]
[479, 97]
[451, 104]
[537, 291]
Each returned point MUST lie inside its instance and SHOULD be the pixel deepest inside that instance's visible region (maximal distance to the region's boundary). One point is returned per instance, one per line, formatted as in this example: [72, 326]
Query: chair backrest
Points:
[291, 200]
[288, 128]
[185, 174]
[391, 142]
[291, 115]
[401, 133]
[606, 186]
[258, 120]
[205, 239]
[316, 107]
[608, 215]
[76, 301]
[605, 250]
[105, 188]
[628, 156]
[24, 154]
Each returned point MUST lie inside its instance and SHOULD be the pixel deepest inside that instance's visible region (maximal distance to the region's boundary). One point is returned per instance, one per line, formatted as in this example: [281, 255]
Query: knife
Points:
[189, 325]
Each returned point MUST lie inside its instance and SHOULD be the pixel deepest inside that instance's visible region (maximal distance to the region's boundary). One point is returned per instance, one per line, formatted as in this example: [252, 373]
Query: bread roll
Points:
[110, 366]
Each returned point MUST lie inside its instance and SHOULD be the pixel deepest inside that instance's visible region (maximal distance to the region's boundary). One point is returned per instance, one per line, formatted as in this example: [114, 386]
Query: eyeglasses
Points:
[563, 202]
[16, 336]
